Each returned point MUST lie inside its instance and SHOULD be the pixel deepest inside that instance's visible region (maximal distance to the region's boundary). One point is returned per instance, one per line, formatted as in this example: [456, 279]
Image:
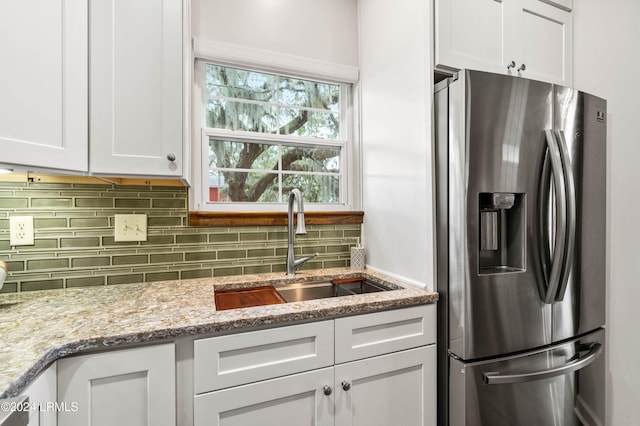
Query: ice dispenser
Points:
[502, 232]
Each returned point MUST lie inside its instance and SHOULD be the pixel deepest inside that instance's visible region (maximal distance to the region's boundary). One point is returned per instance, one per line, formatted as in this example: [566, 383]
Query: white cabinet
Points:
[544, 42]
[43, 398]
[362, 336]
[126, 387]
[136, 87]
[43, 45]
[383, 373]
[93, 86]
[293, 400]
[530, 38]
[393, 389]
[221, 362]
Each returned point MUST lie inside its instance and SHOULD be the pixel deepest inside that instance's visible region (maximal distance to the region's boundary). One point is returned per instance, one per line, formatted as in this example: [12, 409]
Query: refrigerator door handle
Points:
[497, 378]
[553, 281]
[546, 224]
[570, 193]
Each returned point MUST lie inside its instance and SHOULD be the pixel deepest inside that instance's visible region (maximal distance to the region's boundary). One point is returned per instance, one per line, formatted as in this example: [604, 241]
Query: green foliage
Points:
[264, 103]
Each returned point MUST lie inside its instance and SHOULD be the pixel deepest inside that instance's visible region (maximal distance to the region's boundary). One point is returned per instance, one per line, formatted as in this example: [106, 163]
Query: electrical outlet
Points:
[21, 230]
[130, 227]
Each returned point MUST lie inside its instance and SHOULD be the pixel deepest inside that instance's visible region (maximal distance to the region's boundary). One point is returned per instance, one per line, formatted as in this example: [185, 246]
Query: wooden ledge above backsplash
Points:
[272, 218]
[92, 180]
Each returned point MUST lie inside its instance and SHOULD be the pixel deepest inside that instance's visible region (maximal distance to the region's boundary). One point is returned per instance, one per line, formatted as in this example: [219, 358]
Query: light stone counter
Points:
[36, 328]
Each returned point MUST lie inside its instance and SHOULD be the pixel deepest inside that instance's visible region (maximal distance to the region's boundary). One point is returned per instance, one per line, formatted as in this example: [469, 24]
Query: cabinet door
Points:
[136, 87]
[393, 389]
[294, 400]
[544, 42]
[127, 387]
[474, 34]
[43, 45]
[42, 397]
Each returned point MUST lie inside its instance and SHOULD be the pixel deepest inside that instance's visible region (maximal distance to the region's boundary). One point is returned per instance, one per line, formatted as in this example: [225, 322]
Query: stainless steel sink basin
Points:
[319, 290]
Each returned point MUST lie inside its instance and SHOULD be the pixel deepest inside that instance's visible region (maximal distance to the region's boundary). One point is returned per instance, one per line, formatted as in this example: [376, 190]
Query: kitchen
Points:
[395, 219]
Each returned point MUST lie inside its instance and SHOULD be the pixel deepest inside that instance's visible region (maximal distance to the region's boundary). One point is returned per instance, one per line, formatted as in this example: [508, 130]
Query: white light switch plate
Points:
[130, 227]
[21, 230]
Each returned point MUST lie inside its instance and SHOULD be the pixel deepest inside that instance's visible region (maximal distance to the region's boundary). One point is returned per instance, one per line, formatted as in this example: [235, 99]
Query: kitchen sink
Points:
[298, 292]
[295, 292]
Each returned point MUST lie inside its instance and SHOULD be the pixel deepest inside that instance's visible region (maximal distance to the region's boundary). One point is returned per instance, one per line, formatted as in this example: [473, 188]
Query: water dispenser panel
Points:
[502, 227]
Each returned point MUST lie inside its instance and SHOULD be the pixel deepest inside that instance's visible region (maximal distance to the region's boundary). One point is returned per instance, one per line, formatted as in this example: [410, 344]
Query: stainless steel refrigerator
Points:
[520, 217]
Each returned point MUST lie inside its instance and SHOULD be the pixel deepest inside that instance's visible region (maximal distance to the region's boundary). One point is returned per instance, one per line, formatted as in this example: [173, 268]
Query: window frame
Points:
[348, 143]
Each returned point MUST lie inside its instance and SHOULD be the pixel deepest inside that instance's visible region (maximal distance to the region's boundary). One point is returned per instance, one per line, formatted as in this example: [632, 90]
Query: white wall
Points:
[321, 29]
[606, 61]
[396, 92]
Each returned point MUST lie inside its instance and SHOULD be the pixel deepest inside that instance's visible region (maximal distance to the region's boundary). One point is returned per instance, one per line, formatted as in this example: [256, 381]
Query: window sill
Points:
[272, 218]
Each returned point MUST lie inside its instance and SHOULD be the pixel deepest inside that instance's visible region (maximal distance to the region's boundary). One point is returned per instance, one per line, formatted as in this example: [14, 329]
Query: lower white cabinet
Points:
[226, 361]
[129, 387]
[375, 369]
[383, 373]
[293, 400]
[393, 389]
[43, 398]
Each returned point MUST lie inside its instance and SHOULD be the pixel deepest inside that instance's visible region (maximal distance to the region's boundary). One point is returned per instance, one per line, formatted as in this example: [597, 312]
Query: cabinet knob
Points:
[171, 157]
[511, 64]
[327, 389]
[346, 385]
[522, 67]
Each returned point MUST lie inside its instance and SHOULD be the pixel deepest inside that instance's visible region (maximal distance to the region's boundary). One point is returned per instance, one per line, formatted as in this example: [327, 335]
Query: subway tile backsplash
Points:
[75, 247]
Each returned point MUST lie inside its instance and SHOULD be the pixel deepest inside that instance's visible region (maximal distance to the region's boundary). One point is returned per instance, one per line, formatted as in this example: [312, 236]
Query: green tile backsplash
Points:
[74, 243]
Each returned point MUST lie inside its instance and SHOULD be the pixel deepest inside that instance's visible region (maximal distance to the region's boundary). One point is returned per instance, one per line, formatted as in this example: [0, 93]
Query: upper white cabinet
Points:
[530, 38]
[544, 42]
[136, 87]
[43, 45]
[93, 86]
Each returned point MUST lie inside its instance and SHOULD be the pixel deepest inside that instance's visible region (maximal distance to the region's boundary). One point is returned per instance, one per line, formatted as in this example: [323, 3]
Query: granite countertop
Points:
[36, 328]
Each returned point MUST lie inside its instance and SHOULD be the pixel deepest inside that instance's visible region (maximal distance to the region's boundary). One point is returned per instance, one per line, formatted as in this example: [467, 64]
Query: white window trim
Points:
[268, 61]
[271, 61]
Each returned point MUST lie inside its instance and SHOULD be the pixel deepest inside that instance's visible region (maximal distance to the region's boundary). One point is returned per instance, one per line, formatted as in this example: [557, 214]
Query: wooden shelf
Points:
[272, 218]
[93, 180]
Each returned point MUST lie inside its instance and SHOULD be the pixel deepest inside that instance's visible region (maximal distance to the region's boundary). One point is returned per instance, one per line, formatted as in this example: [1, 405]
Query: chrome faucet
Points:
[292, 262]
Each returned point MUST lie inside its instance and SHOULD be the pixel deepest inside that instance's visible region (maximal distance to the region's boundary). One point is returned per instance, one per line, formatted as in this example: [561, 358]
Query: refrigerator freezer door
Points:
[495, 150]
[560, 386]
[580, 119]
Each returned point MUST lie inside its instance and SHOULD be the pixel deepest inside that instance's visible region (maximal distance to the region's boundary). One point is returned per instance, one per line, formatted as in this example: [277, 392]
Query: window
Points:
[265, 134]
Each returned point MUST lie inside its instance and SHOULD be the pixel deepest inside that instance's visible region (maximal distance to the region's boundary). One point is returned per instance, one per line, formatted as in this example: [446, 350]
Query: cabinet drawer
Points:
[225, 361]
[374, 334]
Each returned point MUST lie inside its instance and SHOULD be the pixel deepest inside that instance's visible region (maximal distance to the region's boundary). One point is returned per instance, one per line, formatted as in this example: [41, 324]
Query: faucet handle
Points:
[299, 262]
